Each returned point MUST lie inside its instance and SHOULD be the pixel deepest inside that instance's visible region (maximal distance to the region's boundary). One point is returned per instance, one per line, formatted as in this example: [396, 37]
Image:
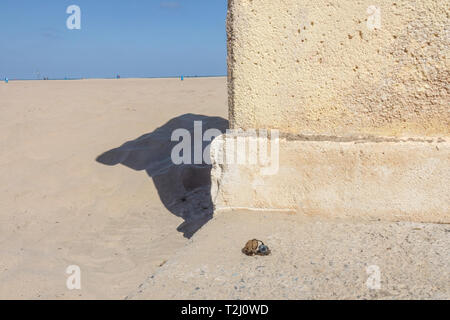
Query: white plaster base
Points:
[405, 179]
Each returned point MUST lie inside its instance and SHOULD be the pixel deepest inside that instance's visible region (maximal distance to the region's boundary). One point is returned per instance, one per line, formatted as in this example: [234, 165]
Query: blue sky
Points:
[133, 38]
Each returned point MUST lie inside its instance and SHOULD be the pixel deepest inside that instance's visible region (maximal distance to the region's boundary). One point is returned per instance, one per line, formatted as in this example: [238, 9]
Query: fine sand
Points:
[59, 206]
[87, 180]
[311, 258]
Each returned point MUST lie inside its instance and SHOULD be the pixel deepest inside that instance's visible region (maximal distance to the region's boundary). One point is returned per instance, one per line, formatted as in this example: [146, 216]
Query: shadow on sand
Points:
[183, 189]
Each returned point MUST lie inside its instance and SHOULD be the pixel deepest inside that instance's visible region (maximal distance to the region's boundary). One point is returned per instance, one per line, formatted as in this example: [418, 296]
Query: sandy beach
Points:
[61, 207]
[86, 181]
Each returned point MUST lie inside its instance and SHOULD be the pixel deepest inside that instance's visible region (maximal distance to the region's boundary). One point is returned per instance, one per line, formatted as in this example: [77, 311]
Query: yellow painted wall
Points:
[323, 67]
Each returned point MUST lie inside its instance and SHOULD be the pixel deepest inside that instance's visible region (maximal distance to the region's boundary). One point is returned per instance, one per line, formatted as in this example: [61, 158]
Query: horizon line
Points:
[108, 78]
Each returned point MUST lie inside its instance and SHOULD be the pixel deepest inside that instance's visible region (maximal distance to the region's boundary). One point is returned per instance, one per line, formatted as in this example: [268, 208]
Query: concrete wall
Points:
[359, 91]
[390, 180]
[320, 67]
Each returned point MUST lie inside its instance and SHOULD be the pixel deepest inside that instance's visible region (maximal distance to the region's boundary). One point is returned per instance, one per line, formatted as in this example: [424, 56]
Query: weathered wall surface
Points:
[359, 90]
[318, 67]
[390, 180]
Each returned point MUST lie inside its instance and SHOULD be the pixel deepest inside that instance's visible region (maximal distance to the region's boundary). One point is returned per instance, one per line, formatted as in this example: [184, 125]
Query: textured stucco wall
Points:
[315, 67]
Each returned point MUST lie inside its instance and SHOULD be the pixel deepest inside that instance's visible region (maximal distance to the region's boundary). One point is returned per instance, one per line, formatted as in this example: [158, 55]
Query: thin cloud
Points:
[51, 33]
[169, 4]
